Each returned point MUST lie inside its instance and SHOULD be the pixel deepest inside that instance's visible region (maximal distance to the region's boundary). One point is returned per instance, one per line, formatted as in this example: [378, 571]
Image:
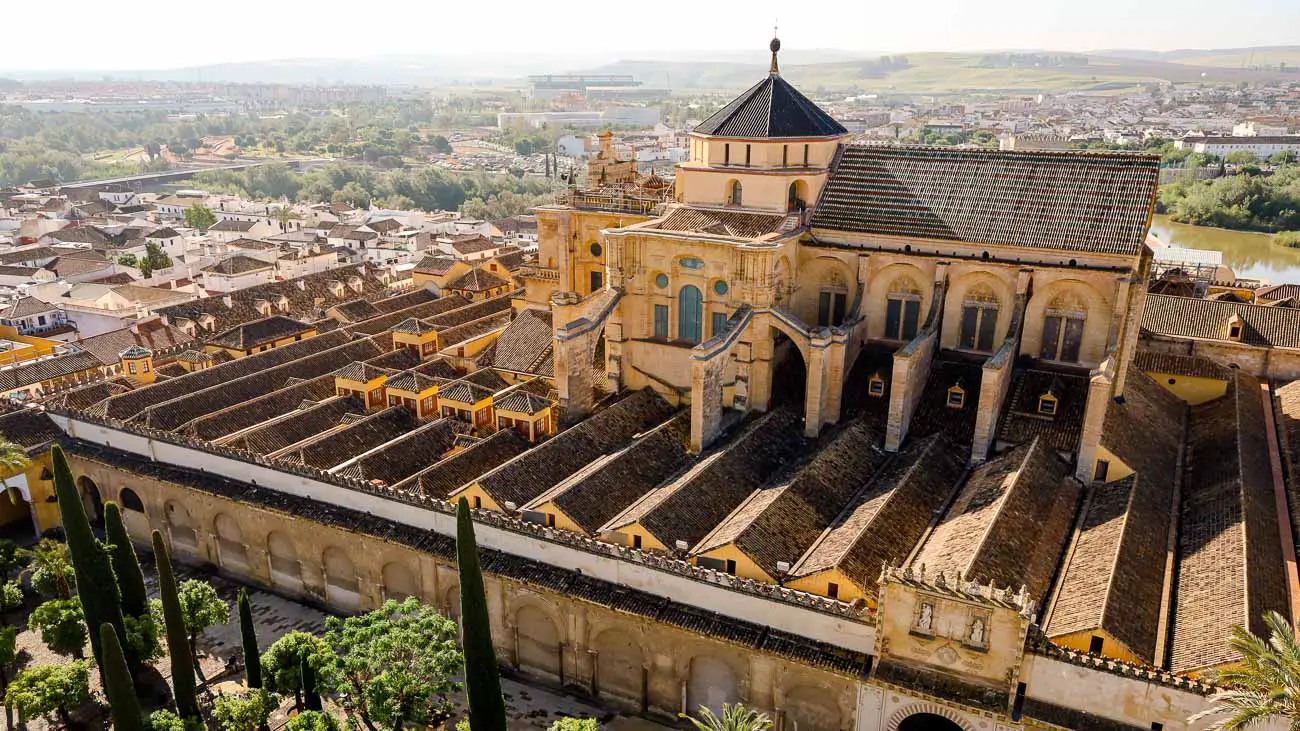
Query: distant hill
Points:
[1260, 56]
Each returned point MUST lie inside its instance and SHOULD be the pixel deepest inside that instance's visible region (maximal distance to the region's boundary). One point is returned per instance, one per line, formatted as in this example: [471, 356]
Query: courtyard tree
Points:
[154, 259]
[735, 717]
[11, 559]
[1261, 687]
[90, 559]
[118, 686]
[62, 626]
[310, 690]
[182, 661]
[312, 721]
[8, 666]
[248, 636]
[282, 662]
[50, 690]
[246, 712]
[569, 723]
[1241, 157]
[49, 568]
[11, 597]
[200, 217]
[200, 608]
[393, 667]
[13, 459]
[487, 707]
[126, 566]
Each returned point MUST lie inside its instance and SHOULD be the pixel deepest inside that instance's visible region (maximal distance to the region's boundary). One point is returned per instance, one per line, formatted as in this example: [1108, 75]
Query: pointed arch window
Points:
[902, 310]
[1063, 324]
[979, 320]
[690, 314]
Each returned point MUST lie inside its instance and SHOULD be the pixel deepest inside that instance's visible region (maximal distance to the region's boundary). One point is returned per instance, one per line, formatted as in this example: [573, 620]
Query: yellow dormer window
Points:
[1047, 404]
[876, 386]
[956, 397]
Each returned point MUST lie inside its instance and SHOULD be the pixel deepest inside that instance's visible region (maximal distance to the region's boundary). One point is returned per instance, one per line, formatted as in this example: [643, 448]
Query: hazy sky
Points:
[149, 34]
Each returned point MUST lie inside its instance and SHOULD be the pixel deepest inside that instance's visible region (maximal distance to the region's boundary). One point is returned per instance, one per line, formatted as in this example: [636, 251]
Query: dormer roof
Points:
[771, 108]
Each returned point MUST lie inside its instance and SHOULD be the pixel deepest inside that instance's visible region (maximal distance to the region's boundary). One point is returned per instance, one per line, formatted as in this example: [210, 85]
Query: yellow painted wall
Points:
[476, 491]
[562, 521]
[817, 584]
[47, 513]
[1192, 389]
[1117, 469]
[648, 541]
[1110, 647]
[745, 566]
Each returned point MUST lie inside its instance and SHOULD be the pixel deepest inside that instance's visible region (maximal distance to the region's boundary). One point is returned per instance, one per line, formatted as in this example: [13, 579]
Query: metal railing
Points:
[612, 200]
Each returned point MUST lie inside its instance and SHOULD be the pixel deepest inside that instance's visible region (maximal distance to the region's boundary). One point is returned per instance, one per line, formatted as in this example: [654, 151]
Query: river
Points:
[1251, 255]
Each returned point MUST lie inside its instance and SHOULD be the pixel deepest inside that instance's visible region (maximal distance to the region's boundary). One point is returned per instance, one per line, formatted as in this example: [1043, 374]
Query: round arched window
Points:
[595, 250]
[661, 281]
[720, 287]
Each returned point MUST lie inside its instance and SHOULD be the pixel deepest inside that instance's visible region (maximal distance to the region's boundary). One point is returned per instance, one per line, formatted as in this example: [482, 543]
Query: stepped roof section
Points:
[771, 108]
[1097, 203]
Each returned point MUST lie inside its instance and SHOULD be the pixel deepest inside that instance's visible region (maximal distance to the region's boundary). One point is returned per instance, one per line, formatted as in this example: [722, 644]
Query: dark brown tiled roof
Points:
[1021, 421]
[259, 332]
[1093, 202]
[437, 264]
[180, 411]
[1116, 571]
[300, 424]
[87, 396]
[402, 301]
[30, 429]
[359, 371]
[524, 346]
[779, 522]
[939, 684]
[522, 402]
[408, 454]
[932, 413]
[538, 470]
[473, 329]
[261, 410]
[1277, 327]
[737, 224]
[1287, 414]
[1278, 292]
[39, 371]
[593, 495]
[1130, 431]
[441, 479]
[889, 515]
[435, 310]
[356, 310]
[1180, 365]
[473, 388]
[1230, 568]
[477, 280]
[412, 381]
[27, 306]
[1008, 523]
[336, 447]
[163, 340]
[238, 264]
[690, 505]
[771, 108]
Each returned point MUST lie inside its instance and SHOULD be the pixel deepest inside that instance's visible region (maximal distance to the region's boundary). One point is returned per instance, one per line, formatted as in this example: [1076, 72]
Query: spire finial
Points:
[775, 45]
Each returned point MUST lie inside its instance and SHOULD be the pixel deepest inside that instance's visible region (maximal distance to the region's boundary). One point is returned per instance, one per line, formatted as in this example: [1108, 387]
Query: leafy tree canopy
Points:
[312, 721]
[247, 712]
[62, 626]
[46, 690]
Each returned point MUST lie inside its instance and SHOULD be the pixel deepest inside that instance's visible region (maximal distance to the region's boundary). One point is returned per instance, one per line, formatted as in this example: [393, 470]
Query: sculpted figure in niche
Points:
[926, 620]
[977, 631]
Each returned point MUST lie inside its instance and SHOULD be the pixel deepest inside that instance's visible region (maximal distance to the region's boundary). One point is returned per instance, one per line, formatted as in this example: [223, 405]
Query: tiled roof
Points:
[407, 454]
[1278, 327]
[524, 346]
[412, 381]
[1287, 413]
[1117, 568]
[1021, 420]
[30, 429]
[523, 402]
[161, 339]
[538, 470]
[474, 329]
[779, 522]
[593, 495]
[402, 301]
[27, 306]
[736, 224]
[231, 224]
[413, 326]
[1008, 523]
[136, 351]
[1230, 568]
[86, 397]
[238, 264]
[359, 371]
[437, 311]
[298, 425]
[442, 478]
[477, 279]
[464, 392]
[889, 514]
[691, 504]
[333, 448]
[1150, 361]
[771, 108]
[1089, 202]
[436, 264]
[356, 310]
[47, 369]
[1278, 292]
[259, 332]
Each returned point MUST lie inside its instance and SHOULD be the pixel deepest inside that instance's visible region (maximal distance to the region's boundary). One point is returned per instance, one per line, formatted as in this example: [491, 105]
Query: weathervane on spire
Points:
[775, 45]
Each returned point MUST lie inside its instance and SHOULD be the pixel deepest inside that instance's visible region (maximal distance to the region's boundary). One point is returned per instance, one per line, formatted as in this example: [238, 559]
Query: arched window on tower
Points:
[1063, 323]
[690, 314]
[902, 309]
[735, 193]
[832, 300]
[979, 319]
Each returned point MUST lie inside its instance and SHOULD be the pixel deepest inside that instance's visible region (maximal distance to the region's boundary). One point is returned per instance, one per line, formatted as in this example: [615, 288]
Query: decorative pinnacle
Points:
[775, 45]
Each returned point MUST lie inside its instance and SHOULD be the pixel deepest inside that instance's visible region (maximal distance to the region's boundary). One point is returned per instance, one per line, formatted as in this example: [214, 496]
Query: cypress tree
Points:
[248, 632]
[311, 697]
[130, 579]
[178, 646]
[96, 584]
[116, 677]
[487, 708]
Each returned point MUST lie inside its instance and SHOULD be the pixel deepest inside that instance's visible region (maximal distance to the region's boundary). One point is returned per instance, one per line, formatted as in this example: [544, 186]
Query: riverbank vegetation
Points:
[1245, 201]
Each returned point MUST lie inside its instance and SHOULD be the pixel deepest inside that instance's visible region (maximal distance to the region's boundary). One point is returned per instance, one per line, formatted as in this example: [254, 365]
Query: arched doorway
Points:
[690, 314]
[342, 589]
[17, 521]
[928, 722]
[133, 514]
[90, 498]
[399, 582]
[538, 641]
[811, 709]
[712, 683]
[183, 537]
[789, 373]
[231, 552]
[286, 570]
[620, 675]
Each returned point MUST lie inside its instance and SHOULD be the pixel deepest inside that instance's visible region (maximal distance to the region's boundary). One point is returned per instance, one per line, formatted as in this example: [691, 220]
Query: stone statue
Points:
[927, 616]
[977, 631]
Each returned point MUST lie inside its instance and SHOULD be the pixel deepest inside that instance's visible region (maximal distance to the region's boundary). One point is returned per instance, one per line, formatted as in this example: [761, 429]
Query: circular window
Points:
[595, 249]
[720, 287]
[661, 281]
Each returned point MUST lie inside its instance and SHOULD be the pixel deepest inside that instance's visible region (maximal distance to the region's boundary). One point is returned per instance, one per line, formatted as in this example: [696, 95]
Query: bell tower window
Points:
[735, 195]
[690, 314]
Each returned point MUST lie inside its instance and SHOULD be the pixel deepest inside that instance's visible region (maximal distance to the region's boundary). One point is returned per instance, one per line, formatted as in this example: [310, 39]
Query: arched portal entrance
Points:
[90, 498]
[789, 373]
[17, 520]
[927, 722]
